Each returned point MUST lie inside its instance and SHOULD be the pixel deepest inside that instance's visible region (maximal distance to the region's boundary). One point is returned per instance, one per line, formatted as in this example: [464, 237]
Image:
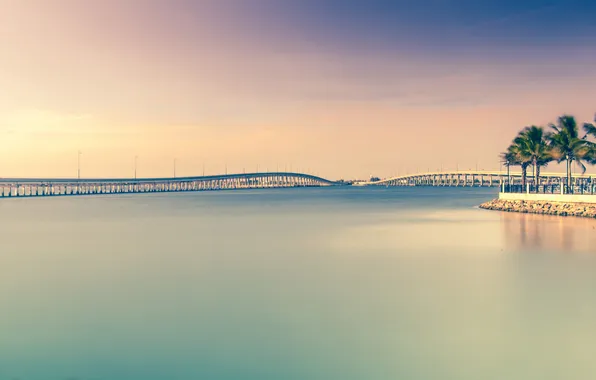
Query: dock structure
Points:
[40, 187]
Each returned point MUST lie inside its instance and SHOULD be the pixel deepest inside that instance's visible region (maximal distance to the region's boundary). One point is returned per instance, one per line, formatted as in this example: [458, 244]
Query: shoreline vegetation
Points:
[535, 147]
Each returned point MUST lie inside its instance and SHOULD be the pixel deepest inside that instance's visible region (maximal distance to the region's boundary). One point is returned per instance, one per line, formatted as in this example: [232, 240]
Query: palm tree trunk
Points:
[537, 178]
[524, 174]
[568, 175]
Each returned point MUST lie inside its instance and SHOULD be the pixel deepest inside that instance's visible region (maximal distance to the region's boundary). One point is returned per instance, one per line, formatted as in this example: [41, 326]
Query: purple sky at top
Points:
[306, 81]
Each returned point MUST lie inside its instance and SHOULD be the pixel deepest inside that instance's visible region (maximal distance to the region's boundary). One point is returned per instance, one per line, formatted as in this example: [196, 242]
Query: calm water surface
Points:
[346, 283]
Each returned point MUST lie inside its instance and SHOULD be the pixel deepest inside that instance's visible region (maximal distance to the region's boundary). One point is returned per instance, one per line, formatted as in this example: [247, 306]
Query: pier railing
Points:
[578, 186]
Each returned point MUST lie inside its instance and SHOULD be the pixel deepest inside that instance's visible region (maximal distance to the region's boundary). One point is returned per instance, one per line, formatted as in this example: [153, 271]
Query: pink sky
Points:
[215, 85]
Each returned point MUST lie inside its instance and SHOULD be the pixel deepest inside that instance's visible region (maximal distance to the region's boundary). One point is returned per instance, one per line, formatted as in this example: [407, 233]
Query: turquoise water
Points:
[344, 283]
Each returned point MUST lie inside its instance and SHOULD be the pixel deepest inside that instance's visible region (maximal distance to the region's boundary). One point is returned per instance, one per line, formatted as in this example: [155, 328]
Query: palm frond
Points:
[590, 130]
[582, 166]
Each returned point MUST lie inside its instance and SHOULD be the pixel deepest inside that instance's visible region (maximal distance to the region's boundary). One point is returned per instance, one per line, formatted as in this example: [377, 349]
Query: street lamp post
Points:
[136, 158]
[508, 176]
[568, 187]
[79, 165]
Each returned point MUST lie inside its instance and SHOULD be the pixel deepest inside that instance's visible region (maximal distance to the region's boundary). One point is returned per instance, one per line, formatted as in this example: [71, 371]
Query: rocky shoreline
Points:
[584, 210]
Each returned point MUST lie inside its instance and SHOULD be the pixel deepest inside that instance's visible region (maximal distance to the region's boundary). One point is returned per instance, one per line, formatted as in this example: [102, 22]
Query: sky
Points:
[337, 88]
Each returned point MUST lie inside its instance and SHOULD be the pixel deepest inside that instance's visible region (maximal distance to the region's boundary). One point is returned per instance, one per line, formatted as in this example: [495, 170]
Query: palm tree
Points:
[534, 148]
[590, 130]
[566, 145]
[515, 155]
[509, 158]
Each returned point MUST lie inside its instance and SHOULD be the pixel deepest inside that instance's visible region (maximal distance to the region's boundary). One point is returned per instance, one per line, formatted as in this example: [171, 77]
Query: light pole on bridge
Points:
[136, 159]
[79, 165]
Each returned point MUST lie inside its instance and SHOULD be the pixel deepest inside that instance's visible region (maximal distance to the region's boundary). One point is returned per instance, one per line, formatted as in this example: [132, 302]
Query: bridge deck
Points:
[32, 187]
[470, 178]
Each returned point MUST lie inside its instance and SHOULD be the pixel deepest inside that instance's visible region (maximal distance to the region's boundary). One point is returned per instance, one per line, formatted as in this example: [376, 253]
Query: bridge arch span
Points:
[470, 179]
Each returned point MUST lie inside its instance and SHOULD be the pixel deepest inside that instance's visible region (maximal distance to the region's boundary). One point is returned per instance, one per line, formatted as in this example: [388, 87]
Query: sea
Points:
[347, 283]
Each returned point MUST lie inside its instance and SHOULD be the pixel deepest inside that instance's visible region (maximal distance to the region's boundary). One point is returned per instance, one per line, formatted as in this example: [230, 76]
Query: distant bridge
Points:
[41, 187]
[471, 179]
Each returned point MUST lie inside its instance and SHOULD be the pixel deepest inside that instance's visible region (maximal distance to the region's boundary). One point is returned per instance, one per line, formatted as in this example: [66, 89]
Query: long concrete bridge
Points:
[472, 179]
[42, 187]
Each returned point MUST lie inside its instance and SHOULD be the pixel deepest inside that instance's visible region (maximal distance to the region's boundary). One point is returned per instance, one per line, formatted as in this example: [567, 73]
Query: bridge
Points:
[474, 179]
[42, 187]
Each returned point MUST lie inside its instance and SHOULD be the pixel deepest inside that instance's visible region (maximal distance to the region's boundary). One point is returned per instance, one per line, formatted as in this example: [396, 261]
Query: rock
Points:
[542, 207]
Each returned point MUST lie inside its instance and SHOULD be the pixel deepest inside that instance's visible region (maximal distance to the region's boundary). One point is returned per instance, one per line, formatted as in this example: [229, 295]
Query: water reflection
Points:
[296, 284]
[548, 233]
